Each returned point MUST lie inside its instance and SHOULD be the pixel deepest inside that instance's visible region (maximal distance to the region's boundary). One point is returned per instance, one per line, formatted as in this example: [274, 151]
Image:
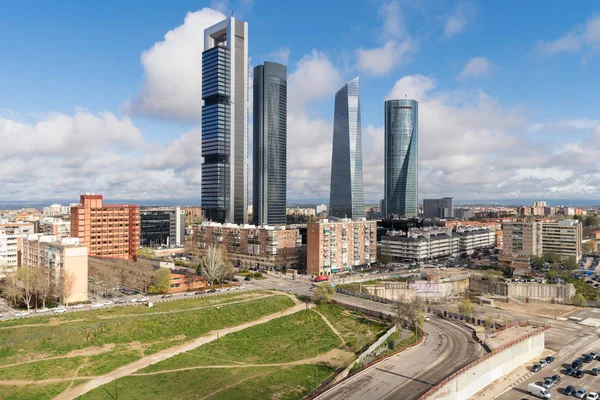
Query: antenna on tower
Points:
[405, 95]
[232, 13]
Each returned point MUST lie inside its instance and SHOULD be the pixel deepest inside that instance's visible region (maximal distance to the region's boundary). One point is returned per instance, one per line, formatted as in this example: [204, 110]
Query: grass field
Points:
[294, 337]
[356, 329]
[28, 392]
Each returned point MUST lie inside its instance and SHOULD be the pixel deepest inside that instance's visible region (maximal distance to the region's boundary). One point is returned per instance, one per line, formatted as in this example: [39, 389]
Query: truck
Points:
[538, 391]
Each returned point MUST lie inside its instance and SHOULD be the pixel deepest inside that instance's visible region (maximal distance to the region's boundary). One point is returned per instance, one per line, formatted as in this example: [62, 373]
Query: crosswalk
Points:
[522, 379]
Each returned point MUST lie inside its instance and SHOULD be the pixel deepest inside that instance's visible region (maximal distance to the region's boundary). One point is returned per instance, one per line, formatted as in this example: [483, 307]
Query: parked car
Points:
[78, 306]
[144, 299]
[59, 310]
[166, 296]
[211, 291]
[200, 292]
[543, 363]
[595, 371]
[580, 394]
[109, 302]
[587, 358]
[22, 314]
[536, 368]
[235, 280]
[427, 318]
[42, 310]
[569, 390]
[121, 301]
[593, 354]
[549, 359]
[189, 294]
[247, 278]
[97, 305]
[576, 364]
[548, 383]
[578, 374]
[592, 396]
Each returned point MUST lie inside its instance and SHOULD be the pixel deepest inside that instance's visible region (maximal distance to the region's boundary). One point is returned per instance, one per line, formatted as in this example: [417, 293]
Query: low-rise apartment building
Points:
[339, 246]
[250, 246]
[65, 260]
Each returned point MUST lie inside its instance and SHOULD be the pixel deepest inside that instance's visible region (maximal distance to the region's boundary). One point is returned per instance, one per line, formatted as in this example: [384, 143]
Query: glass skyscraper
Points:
[346, 193]
[401, 145]
[224, 122]
[270, 144]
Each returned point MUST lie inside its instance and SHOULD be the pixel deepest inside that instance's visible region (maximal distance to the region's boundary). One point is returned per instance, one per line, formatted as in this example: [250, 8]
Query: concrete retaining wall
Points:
[477, 375]
[375, 345]
[402, 291]
[524, 291]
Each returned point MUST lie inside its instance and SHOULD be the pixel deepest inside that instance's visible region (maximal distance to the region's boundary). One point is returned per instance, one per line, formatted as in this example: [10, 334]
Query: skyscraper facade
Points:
[438, 208]
[224, 122]
[270, 144]
[400, 160]
[346, 194]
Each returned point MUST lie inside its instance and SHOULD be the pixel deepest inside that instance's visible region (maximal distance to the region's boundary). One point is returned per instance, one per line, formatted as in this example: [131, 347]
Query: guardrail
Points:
[505, 346]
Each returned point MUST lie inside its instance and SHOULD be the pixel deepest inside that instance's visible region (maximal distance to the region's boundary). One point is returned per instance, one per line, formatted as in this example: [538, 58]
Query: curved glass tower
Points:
[346, 193]
[401, 145]
[270, 144]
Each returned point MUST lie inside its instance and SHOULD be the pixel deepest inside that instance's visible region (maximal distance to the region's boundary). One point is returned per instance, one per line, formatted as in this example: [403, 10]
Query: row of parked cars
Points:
[225, 289]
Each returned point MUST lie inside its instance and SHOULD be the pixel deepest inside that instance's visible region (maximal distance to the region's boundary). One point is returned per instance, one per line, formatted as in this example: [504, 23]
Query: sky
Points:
[105, 97]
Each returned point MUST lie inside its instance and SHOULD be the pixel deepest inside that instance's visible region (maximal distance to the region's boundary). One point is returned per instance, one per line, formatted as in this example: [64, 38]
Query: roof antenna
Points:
[232, 13]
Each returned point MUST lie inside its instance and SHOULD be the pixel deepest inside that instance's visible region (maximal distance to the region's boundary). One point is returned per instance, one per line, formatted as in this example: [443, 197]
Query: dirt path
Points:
[331, 327]
[231, 385]
[168, 353]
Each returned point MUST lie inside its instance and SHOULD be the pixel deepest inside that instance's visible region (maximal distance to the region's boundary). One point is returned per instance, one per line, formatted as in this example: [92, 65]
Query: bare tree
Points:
[409, 313]
[11, 290]
[67, 285]
[43, 285]
[212, 266]
[27, 278]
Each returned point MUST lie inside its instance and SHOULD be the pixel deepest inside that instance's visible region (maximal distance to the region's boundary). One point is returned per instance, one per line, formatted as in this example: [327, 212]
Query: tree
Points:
[488, 323]
[538, 262]
[228, 270]
[11, 291]
[552, 273]
[323, 293]
[162, 281]
[212, 266]
[578, 300]
[466, 309]
[571, 263]
[589, 247]
[66, 286]
[44, 286]
[409, 313]
[27, 279]
[551, 258]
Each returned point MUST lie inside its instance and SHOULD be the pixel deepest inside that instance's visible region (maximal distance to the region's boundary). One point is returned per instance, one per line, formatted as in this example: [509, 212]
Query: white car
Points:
[42, 310]
[78, 306]
[189, 294]
[427, 318]
[592, 396]
[109, 302]
[97, 305]
[144, 299]
[134, 300]
[241, 287]
[59, 310]
[22, 314]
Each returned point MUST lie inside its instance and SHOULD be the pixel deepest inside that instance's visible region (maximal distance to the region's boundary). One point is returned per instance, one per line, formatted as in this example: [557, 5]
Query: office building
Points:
[321, 208]
[108, 230]
[270, 144]
[65, 260]
[249, 246]
[162, 227]
[224, 121]
[346, 192]
[562, 238]
[400, 159]
[55, 226]
[10, 247]
[439, 208]
[338, 246]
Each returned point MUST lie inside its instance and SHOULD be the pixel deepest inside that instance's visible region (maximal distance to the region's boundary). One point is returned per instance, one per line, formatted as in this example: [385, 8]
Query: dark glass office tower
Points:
[224, 122]
[270, 144]
[401, 145]
[346, 193]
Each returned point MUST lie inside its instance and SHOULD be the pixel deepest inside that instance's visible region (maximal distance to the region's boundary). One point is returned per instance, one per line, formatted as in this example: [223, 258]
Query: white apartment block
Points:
[55, 226]
[475, 239]
[9, 253]
[562, 238]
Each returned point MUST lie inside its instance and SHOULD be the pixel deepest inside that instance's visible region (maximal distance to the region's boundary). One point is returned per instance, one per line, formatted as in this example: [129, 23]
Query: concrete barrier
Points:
[480, 373]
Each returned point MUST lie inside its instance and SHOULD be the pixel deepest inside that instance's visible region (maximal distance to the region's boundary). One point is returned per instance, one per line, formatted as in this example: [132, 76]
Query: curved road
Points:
[409, 374]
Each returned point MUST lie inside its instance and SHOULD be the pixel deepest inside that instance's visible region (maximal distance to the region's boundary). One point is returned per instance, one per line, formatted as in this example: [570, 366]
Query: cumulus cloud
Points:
[584, 37]
[476, 67]
[281, 55]
[458, 21]
[393, 52]
[172, 88]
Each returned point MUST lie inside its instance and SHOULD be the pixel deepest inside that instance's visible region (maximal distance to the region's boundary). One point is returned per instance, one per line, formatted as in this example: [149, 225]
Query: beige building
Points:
[55, 226]
[251, 246]
[338, 246]
[65, 260]
[562, 238]
[522, 238]
[10, 246]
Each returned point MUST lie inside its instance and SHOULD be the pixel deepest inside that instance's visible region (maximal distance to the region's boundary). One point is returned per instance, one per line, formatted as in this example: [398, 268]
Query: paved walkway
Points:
[168, 353]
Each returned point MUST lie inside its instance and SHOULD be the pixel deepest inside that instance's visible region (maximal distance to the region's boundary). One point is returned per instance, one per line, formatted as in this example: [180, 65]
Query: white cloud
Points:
[282, 55]
[397, 44]
[458, 21]
[476, 67]
[586, 37]
[173, 71]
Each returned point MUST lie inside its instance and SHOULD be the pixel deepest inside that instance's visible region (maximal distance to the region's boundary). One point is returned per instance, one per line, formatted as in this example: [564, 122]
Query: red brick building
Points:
[185, 280]
[108, 230]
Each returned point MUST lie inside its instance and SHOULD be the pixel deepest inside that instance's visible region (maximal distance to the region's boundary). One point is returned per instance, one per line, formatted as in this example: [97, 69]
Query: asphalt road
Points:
[407, 375]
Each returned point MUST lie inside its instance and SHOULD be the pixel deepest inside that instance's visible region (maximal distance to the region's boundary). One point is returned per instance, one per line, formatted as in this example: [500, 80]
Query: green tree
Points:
[145, 252]
[466, 309]
[488, 323]
[552, 273]
[409, 313]
[578, 300]
[551, 258]
[571, 263]
[538, 262]
[588, 247]
[162, 281]
[323, 293]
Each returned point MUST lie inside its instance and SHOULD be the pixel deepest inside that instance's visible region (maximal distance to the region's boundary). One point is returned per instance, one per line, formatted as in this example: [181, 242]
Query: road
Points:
[407, 375]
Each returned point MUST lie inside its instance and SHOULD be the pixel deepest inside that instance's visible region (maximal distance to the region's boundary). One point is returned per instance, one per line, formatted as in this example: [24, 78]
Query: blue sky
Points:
[508, 93]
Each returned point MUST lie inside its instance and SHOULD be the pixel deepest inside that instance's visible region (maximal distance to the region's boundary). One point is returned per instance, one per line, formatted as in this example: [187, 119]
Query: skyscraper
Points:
[400, 161]
[224, 121]
[346, 193]
[438, 208]
[270, 144]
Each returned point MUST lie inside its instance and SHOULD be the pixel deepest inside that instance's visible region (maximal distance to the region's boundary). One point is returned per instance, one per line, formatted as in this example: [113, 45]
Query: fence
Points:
[428, 394]
[375, 345]
[364, 295]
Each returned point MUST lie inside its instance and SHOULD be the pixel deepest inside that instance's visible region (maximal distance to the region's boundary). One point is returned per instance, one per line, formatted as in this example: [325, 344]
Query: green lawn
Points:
[20, 342]
[294, 337]
[356, 329]
[232, 383]
[101, 364]
[40, 370]
[28, 392]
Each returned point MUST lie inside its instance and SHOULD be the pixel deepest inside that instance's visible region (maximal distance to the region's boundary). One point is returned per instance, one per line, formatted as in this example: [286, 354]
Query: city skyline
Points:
[129, 110]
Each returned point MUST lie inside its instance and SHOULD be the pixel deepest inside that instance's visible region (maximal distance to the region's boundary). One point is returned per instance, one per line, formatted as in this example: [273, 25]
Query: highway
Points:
[445, 349]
